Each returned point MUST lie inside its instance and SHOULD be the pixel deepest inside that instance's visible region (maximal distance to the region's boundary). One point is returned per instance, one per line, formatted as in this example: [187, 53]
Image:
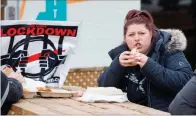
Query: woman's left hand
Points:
[141, 59]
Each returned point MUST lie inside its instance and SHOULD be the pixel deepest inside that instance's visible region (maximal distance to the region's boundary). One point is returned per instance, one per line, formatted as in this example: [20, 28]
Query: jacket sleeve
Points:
[185, 101]
[172, 76]
[16, 90]
[112, 75]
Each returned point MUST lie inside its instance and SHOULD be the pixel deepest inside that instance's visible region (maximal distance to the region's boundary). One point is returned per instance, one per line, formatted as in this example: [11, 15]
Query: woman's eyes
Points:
[131, 35]
[141, 33]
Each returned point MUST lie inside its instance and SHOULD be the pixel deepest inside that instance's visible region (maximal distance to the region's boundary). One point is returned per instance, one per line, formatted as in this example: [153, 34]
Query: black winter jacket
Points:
[14, 95]
[161, 78]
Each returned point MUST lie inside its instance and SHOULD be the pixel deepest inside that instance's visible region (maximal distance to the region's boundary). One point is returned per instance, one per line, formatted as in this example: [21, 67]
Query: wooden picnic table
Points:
[70, 106]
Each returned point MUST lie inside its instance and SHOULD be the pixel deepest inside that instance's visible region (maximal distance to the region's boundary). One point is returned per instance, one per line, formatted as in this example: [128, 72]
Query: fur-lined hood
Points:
[175, 39]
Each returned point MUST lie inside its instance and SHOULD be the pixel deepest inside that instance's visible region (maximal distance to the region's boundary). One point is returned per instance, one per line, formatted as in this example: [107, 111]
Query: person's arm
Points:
[112, 75]
[15, 89]
[185, 101]
[171, 77]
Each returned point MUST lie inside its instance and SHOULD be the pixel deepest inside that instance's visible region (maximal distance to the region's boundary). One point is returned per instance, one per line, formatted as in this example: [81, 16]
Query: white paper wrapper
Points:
[103, 94]
[32, 85]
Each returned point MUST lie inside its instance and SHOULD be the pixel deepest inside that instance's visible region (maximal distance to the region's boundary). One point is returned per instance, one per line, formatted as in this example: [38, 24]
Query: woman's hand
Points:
[141, 59]
[127, 59]
[132, 59]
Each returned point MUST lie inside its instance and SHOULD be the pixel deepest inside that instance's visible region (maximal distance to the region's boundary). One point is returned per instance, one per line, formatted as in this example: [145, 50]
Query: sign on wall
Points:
[101, 24]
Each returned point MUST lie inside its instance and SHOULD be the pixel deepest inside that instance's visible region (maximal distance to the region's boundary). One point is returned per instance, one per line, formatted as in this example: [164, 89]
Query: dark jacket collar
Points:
[116, 51]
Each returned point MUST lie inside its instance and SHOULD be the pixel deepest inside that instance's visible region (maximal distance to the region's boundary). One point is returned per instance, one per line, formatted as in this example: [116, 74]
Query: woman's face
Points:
[138, 36]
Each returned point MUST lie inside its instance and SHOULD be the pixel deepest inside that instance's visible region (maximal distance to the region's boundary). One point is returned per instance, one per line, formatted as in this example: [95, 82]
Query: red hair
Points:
[140, 17]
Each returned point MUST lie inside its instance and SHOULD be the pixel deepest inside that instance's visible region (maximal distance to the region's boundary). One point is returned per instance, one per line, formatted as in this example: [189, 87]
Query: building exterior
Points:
[102, 22]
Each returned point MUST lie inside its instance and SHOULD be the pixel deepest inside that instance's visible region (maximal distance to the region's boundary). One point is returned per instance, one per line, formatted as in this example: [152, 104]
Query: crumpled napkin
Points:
[103, 94]
[32, 85]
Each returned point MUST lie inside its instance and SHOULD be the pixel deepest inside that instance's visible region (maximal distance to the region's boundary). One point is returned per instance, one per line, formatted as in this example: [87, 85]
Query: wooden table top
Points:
[70, 106]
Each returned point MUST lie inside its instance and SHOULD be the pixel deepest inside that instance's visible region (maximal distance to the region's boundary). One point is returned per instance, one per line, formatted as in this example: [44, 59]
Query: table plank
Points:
[116, 110]
[84, 107]
[138, 108]
[51, 103]
[23, 107]
[142, 109]
[110, 107]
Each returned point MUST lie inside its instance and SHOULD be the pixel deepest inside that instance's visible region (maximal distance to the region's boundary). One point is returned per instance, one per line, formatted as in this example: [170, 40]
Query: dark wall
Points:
[179, 14]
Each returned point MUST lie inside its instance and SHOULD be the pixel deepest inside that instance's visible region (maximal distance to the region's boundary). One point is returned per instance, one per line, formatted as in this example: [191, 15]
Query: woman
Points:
[153, 75]
[185, 101]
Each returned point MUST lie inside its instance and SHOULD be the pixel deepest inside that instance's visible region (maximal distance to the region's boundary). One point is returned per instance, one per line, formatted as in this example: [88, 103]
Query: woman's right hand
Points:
[126, 59]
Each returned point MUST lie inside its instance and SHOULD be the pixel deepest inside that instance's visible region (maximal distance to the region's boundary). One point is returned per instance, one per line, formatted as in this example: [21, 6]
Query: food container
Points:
[55, 92]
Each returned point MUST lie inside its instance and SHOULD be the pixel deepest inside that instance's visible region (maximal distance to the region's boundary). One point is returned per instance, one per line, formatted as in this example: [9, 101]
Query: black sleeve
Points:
[185, 101]
[14, 95]
[112, 75]
[15, 90]
[4, 83]
[171, 77]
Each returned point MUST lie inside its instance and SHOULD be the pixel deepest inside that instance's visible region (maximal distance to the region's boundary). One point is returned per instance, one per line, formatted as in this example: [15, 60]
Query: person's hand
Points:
[127, 58]
[18, 76]
[140, 59]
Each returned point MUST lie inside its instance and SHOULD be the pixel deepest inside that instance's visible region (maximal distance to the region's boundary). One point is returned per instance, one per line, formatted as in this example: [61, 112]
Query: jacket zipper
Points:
[149, 102]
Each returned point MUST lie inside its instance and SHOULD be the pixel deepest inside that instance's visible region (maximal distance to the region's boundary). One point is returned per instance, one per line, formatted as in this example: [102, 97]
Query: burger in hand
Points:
[133, 51]
[127, 58]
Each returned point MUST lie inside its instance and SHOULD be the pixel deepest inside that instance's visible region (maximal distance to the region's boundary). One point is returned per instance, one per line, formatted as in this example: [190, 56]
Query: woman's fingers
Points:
[141, 59]
[127, 59]
[126, 53]
[129, 62]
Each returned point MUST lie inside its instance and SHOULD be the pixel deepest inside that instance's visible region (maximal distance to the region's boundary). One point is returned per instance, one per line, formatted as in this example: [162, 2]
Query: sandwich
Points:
[134, 51]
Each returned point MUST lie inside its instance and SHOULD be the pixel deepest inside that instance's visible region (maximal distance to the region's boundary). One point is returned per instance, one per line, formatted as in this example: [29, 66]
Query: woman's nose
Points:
[137, 38]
